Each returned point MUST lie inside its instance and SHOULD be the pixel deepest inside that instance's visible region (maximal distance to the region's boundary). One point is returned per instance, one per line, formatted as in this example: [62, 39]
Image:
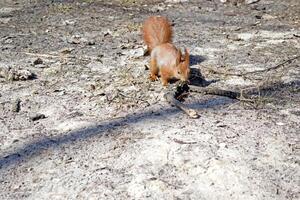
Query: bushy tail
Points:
[157, 30]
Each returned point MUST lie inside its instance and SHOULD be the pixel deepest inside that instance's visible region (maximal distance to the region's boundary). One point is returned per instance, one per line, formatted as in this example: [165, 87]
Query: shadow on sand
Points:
[36, 148]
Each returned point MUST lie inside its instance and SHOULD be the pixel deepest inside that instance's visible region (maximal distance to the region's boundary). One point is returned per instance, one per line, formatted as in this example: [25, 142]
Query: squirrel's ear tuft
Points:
[180, 55]
[186, 58]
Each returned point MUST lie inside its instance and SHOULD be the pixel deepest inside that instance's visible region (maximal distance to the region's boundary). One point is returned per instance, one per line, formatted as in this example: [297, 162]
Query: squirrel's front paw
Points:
[153, 77]
[164, 82]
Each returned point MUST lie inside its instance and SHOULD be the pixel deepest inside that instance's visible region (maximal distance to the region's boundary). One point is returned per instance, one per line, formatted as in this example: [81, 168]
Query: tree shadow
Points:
[196, 59]
[277, 93]
[35, 148]
[197, 79]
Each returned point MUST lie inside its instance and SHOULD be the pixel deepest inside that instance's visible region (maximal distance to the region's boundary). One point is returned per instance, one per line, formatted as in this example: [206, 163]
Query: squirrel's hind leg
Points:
[164, 77]
[153, 70]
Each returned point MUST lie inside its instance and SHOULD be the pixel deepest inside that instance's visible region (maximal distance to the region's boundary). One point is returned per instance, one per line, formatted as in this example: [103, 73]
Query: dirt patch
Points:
[79, 118]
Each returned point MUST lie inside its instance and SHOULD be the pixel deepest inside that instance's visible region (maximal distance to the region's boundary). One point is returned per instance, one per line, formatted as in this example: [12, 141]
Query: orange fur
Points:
[166, 60]
[156, 31]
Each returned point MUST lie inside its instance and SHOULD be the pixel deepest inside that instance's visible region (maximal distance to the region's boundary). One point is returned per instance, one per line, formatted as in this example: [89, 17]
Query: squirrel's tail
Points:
[157, 30]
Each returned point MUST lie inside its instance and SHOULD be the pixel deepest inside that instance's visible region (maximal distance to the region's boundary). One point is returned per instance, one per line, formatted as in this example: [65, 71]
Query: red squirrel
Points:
[166, 60]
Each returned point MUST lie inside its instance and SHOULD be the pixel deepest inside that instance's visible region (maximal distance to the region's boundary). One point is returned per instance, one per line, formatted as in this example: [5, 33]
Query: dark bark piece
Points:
[16, 106]
[215, 91]
[37, 117]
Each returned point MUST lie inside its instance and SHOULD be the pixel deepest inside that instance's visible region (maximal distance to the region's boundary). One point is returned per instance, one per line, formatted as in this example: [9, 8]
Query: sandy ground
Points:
[80, 120]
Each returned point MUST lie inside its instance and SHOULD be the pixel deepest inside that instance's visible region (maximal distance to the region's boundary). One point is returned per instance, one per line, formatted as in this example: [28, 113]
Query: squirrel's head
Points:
[183, 68]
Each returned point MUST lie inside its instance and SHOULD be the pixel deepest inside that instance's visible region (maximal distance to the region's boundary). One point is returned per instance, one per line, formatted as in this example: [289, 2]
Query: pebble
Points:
[38, 116]
[38, 61]
[223, 145]
[251, 1]
[7, 12]
[16, 105]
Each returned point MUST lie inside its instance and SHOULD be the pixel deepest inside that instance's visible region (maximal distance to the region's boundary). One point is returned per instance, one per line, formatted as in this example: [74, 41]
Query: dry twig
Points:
[254, 72]
[214, 91]
[170, 97]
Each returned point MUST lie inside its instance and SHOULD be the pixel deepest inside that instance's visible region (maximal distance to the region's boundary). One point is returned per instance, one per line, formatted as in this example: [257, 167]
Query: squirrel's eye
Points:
[179, 72]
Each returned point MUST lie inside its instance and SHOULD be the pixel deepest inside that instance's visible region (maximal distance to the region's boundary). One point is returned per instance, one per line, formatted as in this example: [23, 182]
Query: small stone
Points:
[22, 75]
[258, 16]
[4, 71]
[92, 87]
[107, 32]
[251, 1]
[5, 20]
[91, 42]
[37, 117]
[75, 39]
[210, 9]
[41, 66]
[87, 41]
[222, 125]
[15, 141]
[7, 40]
[295, 112]
[268, 17]
[223, 145]
[99, 67]
[176, 1]
[6, 12]
[158, 8]
[66, 50]
[61, 93]
[16, 105]
[38, 61]
[69, 22]
[137, 53]
[13, 74]
[280, 123]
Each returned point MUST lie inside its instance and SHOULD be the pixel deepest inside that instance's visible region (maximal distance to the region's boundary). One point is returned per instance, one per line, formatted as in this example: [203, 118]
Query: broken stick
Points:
[169, 96]
[215, 91]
